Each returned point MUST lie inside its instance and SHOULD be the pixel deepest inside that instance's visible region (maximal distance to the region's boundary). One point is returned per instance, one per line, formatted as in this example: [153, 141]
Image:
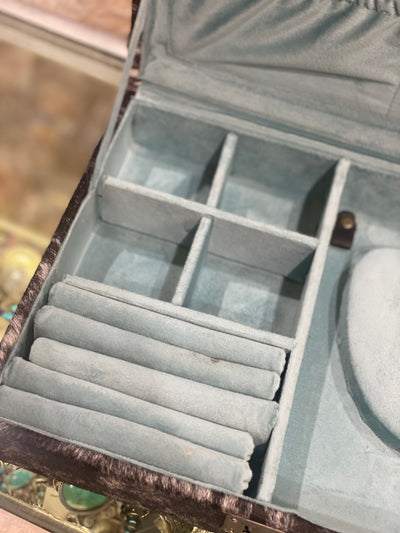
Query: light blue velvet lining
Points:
[249, 296]
[261, 180]
[164, 152]
[133, 261]
[369, 340]
[121, 310]
[326, 67]
[335, 470]
[124, 439]
[216, 405]
[28, 377]
[82, 332]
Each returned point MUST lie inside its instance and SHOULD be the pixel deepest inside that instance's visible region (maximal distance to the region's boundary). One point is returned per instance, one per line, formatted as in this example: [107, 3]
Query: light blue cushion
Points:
[370, 340]
[28, 377]
[230, 409]
[82, 332]
[124, 439]
[121, 309]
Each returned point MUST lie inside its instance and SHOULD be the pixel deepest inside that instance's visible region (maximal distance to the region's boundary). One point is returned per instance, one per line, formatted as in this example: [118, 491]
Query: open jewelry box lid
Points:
[327, 68]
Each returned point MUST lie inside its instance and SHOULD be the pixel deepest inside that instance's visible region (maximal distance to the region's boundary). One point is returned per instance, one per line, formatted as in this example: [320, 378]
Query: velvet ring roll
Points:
[82, 332]
[127, 440]
[230, 409]
[26, 376]
[117, 308]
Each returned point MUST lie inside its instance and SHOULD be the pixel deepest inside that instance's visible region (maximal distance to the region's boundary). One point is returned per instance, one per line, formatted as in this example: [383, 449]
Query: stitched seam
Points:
[376, 8]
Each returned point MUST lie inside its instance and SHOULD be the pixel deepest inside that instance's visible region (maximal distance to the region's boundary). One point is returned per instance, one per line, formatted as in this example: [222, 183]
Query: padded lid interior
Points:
[327, 68]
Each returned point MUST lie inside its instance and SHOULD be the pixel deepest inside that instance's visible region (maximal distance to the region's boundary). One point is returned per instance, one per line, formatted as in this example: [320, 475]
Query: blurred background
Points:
[60, 64]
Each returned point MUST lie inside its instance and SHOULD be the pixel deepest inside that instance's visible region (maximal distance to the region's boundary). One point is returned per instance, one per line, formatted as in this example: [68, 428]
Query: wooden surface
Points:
[51, 118]
[110, 16]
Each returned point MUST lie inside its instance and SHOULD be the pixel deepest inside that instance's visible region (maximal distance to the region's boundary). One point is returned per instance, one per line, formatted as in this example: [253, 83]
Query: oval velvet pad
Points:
[370, 341]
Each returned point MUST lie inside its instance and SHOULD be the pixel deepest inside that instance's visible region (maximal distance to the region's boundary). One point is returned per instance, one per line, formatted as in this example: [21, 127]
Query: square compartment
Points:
[251, 296]
[166, 152]
[262, 289]
[134, 261]
[278, 185]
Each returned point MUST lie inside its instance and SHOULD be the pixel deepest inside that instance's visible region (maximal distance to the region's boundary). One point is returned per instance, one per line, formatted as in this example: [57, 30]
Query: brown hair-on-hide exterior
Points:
[179, 499]
[33, 289]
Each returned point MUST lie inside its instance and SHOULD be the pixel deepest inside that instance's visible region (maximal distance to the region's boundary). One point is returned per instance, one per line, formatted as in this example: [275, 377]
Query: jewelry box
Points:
[214, 329]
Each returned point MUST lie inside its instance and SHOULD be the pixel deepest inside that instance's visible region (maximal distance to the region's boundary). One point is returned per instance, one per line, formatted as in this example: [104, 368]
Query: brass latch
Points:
[236, 524]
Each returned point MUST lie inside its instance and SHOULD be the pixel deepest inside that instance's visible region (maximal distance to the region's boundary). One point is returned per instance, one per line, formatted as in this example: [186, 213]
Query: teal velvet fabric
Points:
[238, 411]
[252, 297]
[124, 439]
[106, 363]
[135, 262]
[326, 67]
[369, 340]
[82, 332]
[336, 469]
[163, 152]
[120, 309]
[28, 377]
[194, 262]
[253, 176]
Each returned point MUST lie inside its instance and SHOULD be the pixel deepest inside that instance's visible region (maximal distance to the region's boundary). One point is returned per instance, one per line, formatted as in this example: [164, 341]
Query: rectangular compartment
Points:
[134, 261]
[254, 276]
[278, 184]
[166, 152]
[333, 465]
[253, 297]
